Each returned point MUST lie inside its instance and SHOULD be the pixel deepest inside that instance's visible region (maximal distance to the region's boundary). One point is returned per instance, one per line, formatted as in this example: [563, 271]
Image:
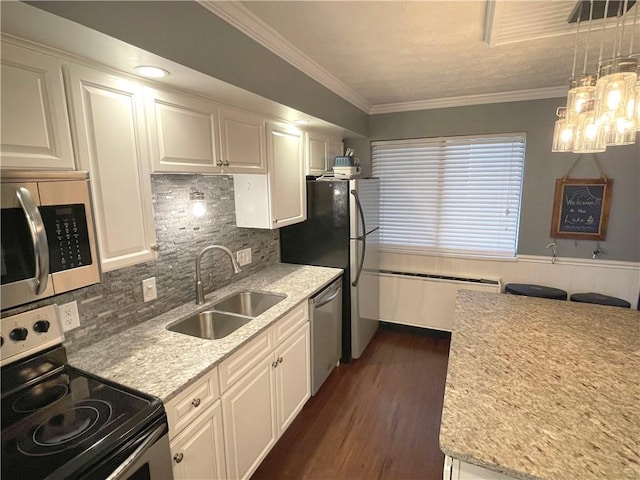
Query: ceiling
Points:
[396, 55]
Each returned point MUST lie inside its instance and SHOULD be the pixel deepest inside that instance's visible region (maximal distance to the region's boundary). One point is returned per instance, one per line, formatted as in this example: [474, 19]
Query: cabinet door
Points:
[316, 155]
[182, 133]
[334, 149]
[35, 124]
[242, 142]
[249, 414]
[108, 115]
[287, 187]
[198, 452]
[293, 376]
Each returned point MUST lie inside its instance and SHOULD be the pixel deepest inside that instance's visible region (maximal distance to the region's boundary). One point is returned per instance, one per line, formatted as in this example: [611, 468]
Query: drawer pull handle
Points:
[195, 402]
[178, 457]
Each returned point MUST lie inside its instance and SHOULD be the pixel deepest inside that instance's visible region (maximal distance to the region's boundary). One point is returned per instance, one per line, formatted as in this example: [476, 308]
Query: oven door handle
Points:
[125, 466]
[38, 237]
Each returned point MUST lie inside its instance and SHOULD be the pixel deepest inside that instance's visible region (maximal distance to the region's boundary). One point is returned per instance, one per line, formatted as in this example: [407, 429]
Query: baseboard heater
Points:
[425, 300]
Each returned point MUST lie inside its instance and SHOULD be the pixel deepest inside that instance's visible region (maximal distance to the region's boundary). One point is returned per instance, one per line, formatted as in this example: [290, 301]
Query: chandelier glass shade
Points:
[602, 110]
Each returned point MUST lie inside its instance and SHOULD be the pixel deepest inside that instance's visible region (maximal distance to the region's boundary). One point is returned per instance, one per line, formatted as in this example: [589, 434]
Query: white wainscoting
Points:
[421, 301]
[618, 279]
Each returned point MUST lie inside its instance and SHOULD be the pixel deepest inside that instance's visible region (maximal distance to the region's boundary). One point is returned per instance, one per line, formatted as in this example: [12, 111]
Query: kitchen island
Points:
[543, 389]
[159, 362]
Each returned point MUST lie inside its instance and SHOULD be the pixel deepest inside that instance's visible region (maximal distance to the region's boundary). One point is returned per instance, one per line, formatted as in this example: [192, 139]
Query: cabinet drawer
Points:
[234, 367]
[182, 409]
[291, 321]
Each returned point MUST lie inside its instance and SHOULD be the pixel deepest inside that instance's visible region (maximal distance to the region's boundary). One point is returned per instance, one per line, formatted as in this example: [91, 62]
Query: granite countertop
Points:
[154, 360]
[543, 389]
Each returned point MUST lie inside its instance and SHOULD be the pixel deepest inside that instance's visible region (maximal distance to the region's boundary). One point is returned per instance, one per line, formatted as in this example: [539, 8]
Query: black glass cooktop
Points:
[66, 421]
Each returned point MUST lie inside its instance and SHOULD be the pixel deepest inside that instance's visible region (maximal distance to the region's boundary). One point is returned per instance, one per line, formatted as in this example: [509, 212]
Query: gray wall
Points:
[187, 33]
[115, 304]
[542, 168]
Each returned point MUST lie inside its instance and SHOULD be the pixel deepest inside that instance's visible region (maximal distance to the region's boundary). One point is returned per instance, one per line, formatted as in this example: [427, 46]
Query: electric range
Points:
[62, 422]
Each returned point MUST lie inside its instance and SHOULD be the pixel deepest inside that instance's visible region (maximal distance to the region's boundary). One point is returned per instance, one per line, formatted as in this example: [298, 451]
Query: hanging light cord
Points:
[586, 45]
[604, 31]
[633, 29]
[575, 48]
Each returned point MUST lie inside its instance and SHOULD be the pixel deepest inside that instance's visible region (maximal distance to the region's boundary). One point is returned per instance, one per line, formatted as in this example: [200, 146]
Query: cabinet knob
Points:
[225, 163]
[279, 359]
[274, 364]
[195, 402]
[178, 457]
[155, 248]
[219, 163]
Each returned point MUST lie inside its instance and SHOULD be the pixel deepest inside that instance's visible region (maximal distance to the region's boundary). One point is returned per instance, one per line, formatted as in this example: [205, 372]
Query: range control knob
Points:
[18, 334]
[41, 326]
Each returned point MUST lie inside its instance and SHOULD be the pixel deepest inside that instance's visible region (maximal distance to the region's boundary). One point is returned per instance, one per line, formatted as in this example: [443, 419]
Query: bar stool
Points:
[599, 299]
[540, 291]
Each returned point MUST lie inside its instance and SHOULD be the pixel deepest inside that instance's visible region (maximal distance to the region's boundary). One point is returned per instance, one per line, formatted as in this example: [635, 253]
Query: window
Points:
[456, 195]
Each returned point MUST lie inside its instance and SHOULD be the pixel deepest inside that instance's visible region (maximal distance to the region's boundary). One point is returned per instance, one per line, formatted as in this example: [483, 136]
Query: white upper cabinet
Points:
[182, 132]
[242, 141]
[108, 122]
[278, 198]
[321, 150]
[35, 125]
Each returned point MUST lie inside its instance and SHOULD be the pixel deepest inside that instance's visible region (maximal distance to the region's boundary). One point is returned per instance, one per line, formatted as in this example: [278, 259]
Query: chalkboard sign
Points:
[581, 208]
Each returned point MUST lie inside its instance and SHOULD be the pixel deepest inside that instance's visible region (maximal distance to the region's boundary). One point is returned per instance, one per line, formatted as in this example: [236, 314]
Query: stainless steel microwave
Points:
[48, 242]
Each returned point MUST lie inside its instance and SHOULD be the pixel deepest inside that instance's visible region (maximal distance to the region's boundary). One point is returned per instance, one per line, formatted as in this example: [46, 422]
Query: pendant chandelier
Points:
[603, 106]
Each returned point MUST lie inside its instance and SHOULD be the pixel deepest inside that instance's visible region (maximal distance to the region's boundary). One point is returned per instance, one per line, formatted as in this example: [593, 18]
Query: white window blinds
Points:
[458, 195]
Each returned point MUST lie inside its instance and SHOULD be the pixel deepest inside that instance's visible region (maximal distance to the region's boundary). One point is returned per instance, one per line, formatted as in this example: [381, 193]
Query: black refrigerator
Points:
[342, 231]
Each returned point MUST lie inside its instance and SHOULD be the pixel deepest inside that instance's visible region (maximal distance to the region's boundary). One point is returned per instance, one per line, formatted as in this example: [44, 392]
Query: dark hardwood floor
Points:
[376, 418]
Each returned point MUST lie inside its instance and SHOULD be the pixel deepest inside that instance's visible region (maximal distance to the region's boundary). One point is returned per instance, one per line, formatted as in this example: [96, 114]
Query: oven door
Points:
[146, 456]
[48, 243]
[24, 252]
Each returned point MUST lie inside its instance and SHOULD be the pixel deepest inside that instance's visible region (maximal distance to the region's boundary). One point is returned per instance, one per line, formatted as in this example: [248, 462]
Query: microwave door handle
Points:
[38, 237]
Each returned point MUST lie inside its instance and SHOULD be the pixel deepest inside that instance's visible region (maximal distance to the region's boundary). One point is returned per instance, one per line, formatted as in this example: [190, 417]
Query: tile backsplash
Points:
[115, 304]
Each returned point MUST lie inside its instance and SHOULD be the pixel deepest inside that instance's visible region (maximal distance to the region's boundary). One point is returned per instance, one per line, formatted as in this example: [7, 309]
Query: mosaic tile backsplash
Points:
[115, 304]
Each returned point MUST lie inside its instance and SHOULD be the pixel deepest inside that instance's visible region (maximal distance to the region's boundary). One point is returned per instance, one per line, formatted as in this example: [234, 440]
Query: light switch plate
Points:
[244, 256]
[69, 317]
[149, 291]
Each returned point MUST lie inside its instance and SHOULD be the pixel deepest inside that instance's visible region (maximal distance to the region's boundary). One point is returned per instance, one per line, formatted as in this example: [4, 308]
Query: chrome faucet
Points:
[199, 291]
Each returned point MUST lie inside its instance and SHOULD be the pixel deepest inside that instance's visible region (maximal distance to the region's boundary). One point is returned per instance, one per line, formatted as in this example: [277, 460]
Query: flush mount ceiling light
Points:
[150, 71]
[602, 109]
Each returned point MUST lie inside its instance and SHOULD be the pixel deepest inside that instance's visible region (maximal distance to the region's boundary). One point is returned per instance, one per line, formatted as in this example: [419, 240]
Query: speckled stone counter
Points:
[543, 389]
[154, 360]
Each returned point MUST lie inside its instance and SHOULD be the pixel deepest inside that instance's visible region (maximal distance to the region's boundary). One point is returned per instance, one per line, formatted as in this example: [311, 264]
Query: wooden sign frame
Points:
[581, 208]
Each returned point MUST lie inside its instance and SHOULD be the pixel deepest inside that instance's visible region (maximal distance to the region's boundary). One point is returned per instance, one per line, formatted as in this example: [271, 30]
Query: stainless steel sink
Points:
[247, 303]
[209, 325]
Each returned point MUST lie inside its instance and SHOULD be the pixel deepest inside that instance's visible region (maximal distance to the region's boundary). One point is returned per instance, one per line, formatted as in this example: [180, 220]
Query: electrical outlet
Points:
[244, 256]
[68, 313]
[149, 291]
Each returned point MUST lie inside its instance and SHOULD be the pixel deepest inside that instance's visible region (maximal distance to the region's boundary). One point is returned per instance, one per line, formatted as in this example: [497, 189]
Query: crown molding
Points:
[502, 97]
[246, 22]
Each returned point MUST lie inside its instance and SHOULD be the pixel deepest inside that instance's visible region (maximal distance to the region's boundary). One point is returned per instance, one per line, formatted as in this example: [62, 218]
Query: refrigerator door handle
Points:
[359, 205]
[363, 239]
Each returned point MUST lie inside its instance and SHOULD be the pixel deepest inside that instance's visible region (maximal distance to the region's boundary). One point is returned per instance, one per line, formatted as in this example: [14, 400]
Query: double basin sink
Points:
[227, 315]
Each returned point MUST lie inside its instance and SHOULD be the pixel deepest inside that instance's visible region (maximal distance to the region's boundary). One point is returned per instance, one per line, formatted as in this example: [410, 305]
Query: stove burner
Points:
[67, 428]
[38, 397]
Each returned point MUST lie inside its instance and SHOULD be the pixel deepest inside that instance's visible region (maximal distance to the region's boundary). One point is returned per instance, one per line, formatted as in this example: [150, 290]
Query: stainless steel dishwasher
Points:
[326, 332]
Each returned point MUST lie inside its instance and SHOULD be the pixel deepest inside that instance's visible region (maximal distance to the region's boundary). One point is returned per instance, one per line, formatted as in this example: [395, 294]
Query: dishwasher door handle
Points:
[327, 296]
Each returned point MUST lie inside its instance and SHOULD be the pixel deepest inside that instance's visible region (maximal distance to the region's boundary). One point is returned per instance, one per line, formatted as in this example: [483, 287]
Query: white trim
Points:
[581, 262]
[501, 97]
[246, 22]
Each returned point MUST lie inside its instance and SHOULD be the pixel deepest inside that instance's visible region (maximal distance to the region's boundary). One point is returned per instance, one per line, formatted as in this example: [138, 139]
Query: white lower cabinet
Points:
[259, 407]
[195, 430]
[249, 413]
[198, 451]
[455, 469]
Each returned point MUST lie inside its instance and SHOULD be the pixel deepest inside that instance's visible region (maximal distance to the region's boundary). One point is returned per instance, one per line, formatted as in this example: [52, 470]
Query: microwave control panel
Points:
[67, 235]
